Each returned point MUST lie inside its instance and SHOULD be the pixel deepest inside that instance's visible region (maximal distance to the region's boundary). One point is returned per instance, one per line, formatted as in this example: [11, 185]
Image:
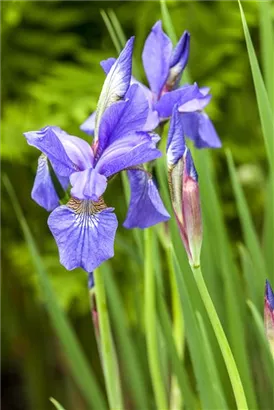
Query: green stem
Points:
[151, 325]
[222, 340]
[108, 355]
[176, 399]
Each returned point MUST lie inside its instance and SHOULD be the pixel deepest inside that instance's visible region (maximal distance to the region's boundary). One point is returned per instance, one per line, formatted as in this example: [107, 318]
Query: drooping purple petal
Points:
[178, 61]
[89, 125]
[47, 140]
[176, 142]
[88, 184]
[65, 152]
[208, 137]
[43, 191]
[116, 83]
[146, 207]
[84, 233]
[180, 96]
[191, 121]
[132, 149]
[197, 104]
[156, 58]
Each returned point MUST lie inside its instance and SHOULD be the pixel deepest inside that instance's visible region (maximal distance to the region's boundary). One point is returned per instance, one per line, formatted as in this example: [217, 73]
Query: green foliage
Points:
[51, 75]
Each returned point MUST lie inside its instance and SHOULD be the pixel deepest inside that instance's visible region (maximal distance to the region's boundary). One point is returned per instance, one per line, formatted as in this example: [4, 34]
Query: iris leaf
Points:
[78, 363]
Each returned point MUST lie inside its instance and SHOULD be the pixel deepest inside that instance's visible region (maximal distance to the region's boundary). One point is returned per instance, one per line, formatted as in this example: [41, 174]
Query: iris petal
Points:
[180, 96]
[43, 191]
[89, 125]
[208, 137]
[179, 60]
[84, 232]
[47, 141]
[146, 207]
[130, 150]
[65, 152]
[176, 141]
[122, 117]
[107, 64]
[88, 184]
[156, 58]
[116, 83]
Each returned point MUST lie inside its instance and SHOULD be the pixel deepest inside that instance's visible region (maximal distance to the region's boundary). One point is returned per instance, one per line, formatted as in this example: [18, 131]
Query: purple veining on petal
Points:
[146, 207]
[84, 232]
[156, 58]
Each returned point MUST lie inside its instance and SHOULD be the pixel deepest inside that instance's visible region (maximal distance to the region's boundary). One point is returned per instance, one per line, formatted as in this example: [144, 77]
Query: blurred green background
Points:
[51, 76]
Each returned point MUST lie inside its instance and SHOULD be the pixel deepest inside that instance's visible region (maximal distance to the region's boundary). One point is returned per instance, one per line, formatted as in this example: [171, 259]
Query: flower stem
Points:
[110, 366]
[151, 325]
[222, 340]
[176, 399]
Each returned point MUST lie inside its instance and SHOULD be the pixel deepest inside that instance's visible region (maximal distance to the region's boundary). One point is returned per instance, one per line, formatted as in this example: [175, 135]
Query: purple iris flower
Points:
[84, 228]
[164, 67]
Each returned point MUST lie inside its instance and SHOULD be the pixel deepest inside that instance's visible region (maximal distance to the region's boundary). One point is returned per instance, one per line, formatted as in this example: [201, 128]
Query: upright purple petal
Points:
[43, 191]
[84, 232]
[122, 117]
[156, 58]
[179, 60]
[89, 125]
[116, 83]
[191, 121]
[107, 64]
[176, 142]
[88, 184]
[208, 137]
[130, 150]
[180, 96]
[146, 207]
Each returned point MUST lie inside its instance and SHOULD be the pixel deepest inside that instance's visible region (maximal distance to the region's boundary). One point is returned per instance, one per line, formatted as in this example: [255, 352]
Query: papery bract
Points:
[184, 190]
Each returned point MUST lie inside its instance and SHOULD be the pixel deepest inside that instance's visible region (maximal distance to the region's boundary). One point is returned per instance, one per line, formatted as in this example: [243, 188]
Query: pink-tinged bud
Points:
[269, 315]
[184, 190]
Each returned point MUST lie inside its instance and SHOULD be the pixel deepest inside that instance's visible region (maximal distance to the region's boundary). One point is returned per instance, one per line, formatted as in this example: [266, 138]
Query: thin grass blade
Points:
[111, 31]
[56, 404]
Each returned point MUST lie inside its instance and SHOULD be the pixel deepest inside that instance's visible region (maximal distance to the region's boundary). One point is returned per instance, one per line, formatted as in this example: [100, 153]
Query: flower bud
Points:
[269, 315]
[184, 190]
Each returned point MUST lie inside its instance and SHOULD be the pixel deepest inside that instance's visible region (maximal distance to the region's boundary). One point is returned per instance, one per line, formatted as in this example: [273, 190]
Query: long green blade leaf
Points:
[250, 235]
[261, 94]
[78, 363]
[267, 45]
[135, 377]
[56, 404]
